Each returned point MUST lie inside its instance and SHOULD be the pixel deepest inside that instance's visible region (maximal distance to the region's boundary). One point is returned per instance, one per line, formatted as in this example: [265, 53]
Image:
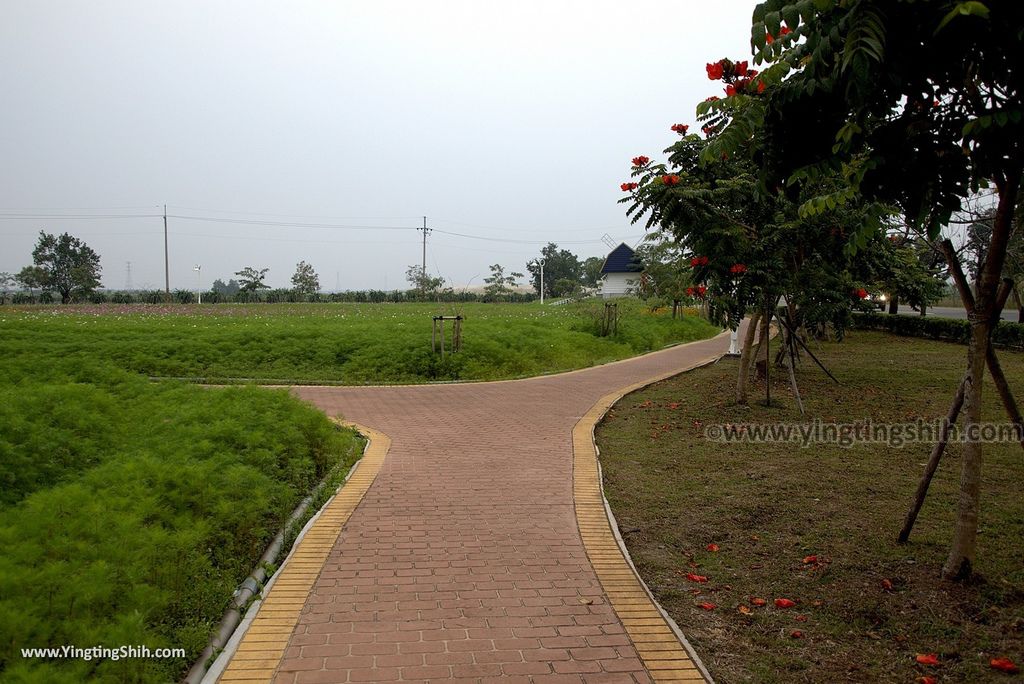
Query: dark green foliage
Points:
[63, 264]
[130, 511]
[563, 272]
[1005, 334]
[917, 98]
[250, 280]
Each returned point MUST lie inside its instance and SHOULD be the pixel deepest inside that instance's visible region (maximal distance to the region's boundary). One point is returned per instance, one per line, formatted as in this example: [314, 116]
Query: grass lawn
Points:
[131, 510]
[339, 343]
[769, 508]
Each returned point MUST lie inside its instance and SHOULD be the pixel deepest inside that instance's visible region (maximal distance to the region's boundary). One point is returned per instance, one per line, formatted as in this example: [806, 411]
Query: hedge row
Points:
[1006, 334]
[267, 296]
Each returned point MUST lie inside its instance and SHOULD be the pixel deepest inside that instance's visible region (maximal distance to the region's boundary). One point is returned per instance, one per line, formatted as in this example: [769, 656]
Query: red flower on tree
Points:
[861, 293]
[711, 99]
[716, 70]
[699, 261]
[730, 90]
[740, 68]
[784, 31]
[760, 86]
[701, 290]
[670, 180]
[737, 268]
[680, 128]
[689, 291]
[626, 187]
[708, 130]
[641, 161]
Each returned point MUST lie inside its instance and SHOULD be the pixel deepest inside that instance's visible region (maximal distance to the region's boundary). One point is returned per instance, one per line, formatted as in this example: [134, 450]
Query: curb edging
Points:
[659, 642]
[265, 634]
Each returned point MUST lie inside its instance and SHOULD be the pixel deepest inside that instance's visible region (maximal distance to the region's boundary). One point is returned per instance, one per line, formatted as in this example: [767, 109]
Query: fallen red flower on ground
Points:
[1004, 665]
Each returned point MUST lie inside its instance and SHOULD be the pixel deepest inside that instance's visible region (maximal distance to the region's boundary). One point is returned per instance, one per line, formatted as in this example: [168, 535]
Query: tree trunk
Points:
[745, 356]
[1020, 306]
[960, 562]
[894, 305]
[762, 339]
[924, 308]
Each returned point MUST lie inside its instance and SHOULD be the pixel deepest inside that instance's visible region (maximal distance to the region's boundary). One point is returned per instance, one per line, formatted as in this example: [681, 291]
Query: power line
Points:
[297, 216]
[286, 224]
[52, 217]
[530, 230]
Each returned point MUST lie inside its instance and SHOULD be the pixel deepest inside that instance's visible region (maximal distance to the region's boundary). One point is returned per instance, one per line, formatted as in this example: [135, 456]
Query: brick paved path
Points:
[464, 559]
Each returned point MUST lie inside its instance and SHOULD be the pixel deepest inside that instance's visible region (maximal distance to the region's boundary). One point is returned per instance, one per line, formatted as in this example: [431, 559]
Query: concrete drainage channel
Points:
[247, 597]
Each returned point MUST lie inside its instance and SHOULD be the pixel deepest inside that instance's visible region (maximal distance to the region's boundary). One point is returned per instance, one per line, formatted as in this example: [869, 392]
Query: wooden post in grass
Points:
[767, 362]
[933, 463]
[792, 364]
[746, 355]
[437, 334]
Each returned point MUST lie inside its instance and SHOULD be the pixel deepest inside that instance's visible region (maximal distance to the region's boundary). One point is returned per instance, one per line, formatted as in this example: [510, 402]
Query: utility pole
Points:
[423, 268]
[167, 262]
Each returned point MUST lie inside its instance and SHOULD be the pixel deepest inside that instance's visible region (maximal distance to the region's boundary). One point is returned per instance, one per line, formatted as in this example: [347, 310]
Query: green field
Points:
[338, 343]
[130, 510]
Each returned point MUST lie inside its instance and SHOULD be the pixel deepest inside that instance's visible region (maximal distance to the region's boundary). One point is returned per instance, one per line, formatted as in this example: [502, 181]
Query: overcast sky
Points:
[513, 122]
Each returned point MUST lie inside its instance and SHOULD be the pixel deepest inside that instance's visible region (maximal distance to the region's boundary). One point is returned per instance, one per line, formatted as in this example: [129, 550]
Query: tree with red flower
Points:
[627, 187]
[641, 161]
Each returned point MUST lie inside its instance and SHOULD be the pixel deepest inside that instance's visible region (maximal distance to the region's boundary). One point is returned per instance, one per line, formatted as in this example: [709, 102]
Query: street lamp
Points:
[542, 282]
[199, 282]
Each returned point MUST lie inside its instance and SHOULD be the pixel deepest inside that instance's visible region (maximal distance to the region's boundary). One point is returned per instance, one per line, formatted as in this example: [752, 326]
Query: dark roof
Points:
[622, 259]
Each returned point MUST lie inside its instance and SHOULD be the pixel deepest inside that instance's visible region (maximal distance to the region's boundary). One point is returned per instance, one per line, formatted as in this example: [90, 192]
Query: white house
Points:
[621, 271]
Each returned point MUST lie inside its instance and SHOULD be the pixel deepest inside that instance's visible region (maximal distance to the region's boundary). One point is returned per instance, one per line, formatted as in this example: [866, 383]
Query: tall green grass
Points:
[344, 343]
[130, 511]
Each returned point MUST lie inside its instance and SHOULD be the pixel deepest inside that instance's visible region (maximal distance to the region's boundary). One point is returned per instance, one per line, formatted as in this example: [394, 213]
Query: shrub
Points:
[1005, 334]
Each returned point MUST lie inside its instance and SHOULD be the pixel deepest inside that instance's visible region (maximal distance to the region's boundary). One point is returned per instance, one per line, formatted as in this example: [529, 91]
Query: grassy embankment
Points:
[769, 507]
[342, 343]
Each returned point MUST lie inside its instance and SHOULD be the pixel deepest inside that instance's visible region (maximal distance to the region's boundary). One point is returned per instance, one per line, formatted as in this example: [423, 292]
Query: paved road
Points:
[953, 312]
[464, 559]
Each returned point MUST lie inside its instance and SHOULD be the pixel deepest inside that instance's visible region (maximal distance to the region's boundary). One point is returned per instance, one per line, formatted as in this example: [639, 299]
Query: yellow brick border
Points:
[660, 644]
[261, 649]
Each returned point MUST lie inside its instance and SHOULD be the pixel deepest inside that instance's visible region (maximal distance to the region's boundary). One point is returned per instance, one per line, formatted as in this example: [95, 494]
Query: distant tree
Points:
[560, 266]
[422, 281]
[30, 278]
[592, 271]
[6, 280]
[667, 271]
[63, 264]
[498, 284]
[230, 289]
[305, 281]
[251, 280]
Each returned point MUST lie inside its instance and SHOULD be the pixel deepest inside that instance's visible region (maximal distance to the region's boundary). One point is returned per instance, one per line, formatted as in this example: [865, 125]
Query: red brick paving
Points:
[463, 562]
